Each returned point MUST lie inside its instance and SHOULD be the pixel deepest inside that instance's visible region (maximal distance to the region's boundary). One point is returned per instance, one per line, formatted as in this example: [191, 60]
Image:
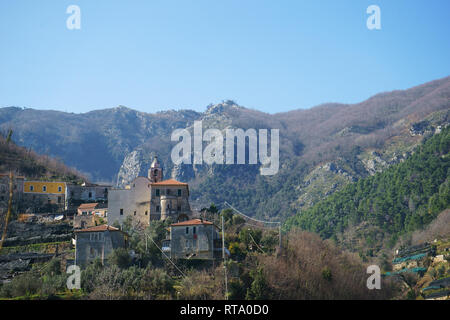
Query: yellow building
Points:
[44, 187]
[45, 196]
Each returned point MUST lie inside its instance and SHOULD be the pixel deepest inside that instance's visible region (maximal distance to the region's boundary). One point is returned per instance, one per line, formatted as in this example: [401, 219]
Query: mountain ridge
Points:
[354, 140]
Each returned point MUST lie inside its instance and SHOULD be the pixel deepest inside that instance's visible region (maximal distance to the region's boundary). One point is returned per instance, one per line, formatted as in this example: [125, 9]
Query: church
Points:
[150, 198]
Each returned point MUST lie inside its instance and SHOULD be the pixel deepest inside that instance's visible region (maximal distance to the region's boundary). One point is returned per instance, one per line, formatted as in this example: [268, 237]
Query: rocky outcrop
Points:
[135, 164]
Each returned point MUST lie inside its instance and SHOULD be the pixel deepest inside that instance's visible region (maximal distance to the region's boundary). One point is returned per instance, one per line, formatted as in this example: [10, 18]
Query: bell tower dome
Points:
[155, 174]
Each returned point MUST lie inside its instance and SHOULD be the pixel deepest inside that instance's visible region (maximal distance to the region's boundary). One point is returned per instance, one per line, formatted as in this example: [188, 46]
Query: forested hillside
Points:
[401, 199]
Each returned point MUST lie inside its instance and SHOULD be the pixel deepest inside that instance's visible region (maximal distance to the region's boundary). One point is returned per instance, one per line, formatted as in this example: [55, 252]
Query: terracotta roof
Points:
[103, 227]
[87, 206]
[169, 182]
[193, 222]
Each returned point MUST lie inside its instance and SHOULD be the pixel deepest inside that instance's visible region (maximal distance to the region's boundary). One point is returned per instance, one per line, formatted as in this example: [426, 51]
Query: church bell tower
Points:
[155, 174]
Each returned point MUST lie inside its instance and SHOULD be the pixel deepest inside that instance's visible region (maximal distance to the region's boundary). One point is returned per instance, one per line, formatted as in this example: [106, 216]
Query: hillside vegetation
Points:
[28, 163]
[401, 199]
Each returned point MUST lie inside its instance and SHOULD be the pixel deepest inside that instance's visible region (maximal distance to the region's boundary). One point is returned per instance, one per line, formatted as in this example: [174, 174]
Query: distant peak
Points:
[120, 107]
[223, 106]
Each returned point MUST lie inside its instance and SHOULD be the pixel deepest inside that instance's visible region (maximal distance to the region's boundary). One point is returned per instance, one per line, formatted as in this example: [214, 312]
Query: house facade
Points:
[193, 239]
[92, 209]
[97, 242]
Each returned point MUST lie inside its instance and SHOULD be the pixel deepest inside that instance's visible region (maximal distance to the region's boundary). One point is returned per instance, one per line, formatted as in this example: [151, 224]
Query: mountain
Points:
[322, 149]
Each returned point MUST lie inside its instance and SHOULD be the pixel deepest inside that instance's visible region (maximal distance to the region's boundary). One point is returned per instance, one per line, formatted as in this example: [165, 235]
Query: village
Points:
[98, 212]
[87, 223]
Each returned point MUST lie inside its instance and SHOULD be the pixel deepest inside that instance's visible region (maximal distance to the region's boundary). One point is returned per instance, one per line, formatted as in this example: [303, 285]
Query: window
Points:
[179, 192]
[90, 195]
[59, 199]
[135, 213]
[121, 212]
[31, 188]
[187, 230]
[194, 230]
[158, 208]
[157, 192]
[59, 189]
[44, 188]
[179, 208]
[168, 192]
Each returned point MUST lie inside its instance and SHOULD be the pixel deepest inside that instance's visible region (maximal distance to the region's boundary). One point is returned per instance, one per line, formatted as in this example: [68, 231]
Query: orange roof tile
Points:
[103, 227]
[87, 206]
[169, 182]
[192, 222]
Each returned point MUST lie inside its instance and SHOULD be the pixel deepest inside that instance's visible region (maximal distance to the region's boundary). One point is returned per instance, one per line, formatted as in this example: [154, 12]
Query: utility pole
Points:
[223, 257]
[8, 214]
[279, 232]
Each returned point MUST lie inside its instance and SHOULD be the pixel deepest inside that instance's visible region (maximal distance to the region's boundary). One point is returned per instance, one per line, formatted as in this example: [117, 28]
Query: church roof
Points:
[169, 182]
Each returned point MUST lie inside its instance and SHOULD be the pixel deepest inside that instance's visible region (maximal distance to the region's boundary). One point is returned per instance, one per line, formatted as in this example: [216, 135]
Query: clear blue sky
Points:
[269, 55]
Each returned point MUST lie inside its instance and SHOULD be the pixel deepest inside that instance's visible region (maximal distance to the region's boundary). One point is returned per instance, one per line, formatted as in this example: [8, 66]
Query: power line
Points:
[167, 257]
[244, 215]
[259, 221]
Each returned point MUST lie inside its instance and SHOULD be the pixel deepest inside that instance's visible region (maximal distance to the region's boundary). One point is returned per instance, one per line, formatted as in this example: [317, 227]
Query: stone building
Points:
[150, 198]
[194, 239]
[86, 192]
[4, 192]
[97, 242]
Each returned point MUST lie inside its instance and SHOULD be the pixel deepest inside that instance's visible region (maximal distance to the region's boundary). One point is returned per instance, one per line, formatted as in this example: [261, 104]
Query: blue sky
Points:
[272, 56]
